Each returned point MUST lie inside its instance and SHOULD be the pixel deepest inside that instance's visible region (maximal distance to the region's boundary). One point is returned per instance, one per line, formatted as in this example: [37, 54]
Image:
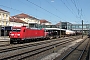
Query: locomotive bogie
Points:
[15, 40]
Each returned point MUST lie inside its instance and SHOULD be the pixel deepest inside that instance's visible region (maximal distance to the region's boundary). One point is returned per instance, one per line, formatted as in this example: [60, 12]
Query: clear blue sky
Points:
[73, 11]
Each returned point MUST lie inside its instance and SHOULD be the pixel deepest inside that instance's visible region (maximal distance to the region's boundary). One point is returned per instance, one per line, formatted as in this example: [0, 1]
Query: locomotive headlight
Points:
[12, 34]
[18, 34]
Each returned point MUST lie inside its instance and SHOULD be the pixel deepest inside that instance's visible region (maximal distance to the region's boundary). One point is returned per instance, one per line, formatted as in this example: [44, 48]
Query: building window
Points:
[77, 26]
[80, 27]
[0, 16]
[3, 15]
[6, 15]
[73, 27]
[84, 26]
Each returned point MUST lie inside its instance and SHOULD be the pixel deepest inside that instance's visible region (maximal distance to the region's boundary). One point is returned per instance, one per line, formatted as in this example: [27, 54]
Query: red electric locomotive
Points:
[22, 34]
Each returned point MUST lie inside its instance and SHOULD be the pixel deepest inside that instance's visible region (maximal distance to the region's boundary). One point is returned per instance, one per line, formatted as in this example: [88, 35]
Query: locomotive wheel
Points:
[20, 42]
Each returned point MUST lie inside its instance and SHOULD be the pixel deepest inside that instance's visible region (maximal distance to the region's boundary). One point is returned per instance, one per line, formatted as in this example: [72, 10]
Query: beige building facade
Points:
[17, 22]
[31, 21]
[28, 19]
[4, 18]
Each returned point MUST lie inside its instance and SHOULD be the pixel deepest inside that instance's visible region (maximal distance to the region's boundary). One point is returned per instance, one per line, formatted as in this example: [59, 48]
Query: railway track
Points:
[76, 52]
[38, 42]
[8, 44]
[26, 51]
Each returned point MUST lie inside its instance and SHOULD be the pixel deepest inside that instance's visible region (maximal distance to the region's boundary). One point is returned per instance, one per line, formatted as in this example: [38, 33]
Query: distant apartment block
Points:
[4, 17]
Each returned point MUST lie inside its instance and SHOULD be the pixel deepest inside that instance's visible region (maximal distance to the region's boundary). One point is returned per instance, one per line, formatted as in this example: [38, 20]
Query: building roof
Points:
[54, 29]
[14, 19]
[44, 21]
[22, 15]
[3, 10]
[58, 24]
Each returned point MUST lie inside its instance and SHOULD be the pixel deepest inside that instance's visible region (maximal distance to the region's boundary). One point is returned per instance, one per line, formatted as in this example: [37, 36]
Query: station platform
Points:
[88, 54]
[4, 39]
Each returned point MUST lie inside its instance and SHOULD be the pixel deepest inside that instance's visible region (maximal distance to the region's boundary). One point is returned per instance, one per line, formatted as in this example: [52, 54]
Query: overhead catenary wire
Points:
[73, 9]
[35, 5]
[74, 4]
[40, 7]
[68, 8]
[22, 11]
[11, 8]
[16, 10]
[30, 7]
[73, 12]
[43, 9]
[78, 10]
[57, 10]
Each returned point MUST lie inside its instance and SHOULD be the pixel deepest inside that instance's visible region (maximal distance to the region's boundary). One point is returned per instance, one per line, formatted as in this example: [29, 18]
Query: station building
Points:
[74, 27]
[6, 23]
[64, 25]
[31, 21]
[4, 19]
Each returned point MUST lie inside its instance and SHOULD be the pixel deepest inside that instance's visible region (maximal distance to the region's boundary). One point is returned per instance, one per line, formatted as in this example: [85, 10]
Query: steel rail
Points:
[25, 46]
[37, 49]
[71, 51]
[83, 51]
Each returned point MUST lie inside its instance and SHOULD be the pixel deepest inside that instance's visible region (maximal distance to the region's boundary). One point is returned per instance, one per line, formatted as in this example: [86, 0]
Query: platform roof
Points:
[54, 29]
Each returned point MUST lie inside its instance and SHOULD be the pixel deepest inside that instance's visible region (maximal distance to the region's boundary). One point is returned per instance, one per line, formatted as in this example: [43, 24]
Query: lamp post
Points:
[60, 28]
[82, 29]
